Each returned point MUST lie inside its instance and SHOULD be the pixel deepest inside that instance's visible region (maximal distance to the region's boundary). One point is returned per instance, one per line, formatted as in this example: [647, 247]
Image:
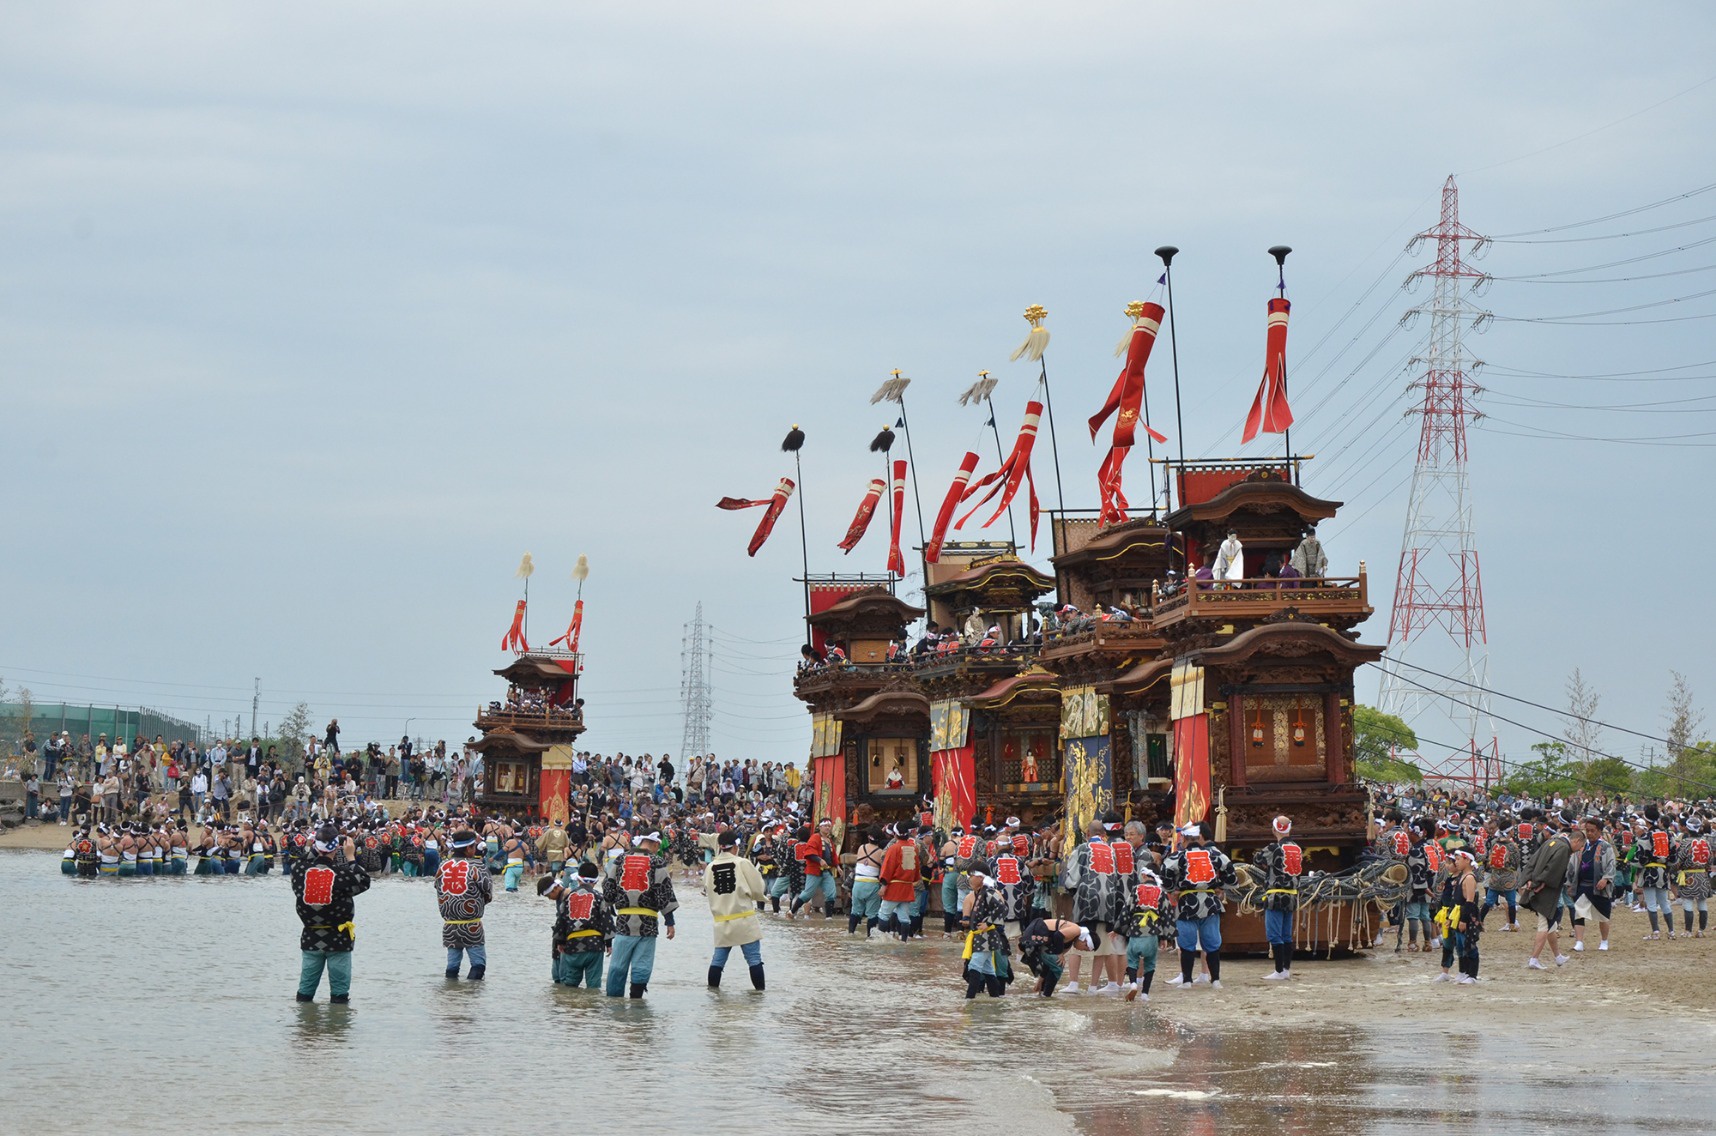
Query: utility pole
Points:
[1438, 615]
[255, 701]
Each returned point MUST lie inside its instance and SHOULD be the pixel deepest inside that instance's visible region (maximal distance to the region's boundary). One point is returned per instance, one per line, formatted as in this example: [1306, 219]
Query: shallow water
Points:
[166, 1005]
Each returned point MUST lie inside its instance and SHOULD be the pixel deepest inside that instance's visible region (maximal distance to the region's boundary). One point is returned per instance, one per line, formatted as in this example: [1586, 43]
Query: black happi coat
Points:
[327, 926]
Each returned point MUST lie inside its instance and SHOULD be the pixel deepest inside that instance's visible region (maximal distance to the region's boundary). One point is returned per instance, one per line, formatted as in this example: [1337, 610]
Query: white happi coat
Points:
[735, 887]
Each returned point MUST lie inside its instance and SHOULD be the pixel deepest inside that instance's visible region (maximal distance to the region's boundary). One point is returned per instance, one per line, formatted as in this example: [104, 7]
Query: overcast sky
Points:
[315, 317]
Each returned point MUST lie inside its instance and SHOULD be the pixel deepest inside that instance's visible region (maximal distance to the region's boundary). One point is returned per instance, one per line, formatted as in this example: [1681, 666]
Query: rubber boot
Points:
[714, 978]
[995, 986]
[870, 926]
[1214, 959]
[638, 989]
[973, 983]
[452, 972]
[340, 1000]
[304, 998]
[757, 976]
[477, 972]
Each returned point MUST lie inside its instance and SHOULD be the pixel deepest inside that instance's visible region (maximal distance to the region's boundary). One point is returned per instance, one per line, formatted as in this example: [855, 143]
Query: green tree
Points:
[1378, 741]
[294, 734]
[1684, 720]
[1552, 771]
[1611, 773]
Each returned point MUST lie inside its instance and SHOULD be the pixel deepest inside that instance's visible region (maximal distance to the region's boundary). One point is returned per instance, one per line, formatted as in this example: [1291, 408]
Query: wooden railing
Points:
[519, 718]
[1251, 598]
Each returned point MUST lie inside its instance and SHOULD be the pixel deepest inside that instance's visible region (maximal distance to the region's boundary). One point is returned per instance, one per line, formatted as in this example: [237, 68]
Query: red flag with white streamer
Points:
[866, 510]
[932, 553]
[765, 526]
[1270, 413]
[897, 562]
[1013, 471]
[1126, 401]
[513, 640]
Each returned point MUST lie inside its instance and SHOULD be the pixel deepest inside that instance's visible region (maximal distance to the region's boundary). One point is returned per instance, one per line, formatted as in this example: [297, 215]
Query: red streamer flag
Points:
[573, 629]
[861, 522]
[765, 526]
[513, 640]
[1013, 471]
[1270, 413]
[932, 553]
[896, 562]
[1126, 401]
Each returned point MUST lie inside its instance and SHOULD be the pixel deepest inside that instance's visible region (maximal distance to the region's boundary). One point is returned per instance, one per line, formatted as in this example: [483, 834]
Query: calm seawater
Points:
[165, 1006]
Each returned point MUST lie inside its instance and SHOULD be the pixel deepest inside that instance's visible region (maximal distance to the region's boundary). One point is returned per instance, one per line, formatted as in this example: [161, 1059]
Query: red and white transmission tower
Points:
[1438, 622]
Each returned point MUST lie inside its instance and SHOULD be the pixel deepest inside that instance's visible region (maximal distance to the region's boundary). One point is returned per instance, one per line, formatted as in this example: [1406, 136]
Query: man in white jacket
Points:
[735, 889]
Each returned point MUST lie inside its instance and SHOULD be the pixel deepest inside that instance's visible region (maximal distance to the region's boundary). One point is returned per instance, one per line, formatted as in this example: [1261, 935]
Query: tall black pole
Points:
[803, 538]
[906, 428]
[1167, 253]
[1054, 446]
[1279, 252]
[1001, 456]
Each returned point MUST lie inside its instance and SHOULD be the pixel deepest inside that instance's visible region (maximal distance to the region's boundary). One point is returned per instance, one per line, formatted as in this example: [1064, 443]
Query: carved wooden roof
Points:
[1271, 496]
[885, 703]
[504, 739]
[1000, 583]
[1037, 684]
[536, 670]
[877, 611]
[1292, 638]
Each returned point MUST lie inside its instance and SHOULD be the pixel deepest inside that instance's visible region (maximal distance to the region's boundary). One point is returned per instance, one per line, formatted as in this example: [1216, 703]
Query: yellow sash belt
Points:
[735, 915]
[637, 911]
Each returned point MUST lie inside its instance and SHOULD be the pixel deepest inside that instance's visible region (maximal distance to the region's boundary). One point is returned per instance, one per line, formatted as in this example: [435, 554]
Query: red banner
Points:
[1191, 769]
[767, 524]
[513, 640]
[554, 789]
[953, 771]
[896, 562]
[1270, 413]
[932, 554]
[829, 787]
[861, 522]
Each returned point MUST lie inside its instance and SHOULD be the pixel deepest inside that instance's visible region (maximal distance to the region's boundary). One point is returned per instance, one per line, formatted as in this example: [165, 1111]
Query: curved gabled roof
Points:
[1258, 496]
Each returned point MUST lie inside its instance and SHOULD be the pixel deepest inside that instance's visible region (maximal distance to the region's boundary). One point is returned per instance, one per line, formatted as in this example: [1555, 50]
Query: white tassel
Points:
[979, 391]
[581, 570]
[893, 390]
[525, 567]
[1135, 309]
[1038, 340]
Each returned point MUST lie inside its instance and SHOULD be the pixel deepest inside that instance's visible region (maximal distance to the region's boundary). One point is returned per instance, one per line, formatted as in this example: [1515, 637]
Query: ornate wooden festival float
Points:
[527, 737]
[1137, 688]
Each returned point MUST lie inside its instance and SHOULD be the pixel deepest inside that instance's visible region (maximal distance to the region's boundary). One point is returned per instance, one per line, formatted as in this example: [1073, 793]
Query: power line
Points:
[1545, 434]
[1610, 216]
[1541, 706]
[1606, 236]
[1579, 316]
[1513, 722]
[1596, 130]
